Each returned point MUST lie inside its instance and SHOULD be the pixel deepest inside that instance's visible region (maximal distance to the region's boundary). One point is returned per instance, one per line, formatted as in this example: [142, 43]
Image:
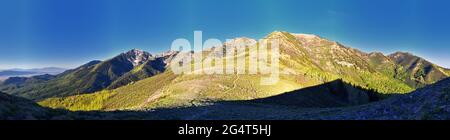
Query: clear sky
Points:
[68, 33]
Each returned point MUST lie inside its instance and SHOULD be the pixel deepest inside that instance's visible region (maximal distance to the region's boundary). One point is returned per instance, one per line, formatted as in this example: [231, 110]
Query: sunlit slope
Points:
[312, 56]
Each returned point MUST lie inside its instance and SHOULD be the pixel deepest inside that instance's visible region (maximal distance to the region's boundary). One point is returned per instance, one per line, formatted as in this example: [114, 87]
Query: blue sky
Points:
[40, 33]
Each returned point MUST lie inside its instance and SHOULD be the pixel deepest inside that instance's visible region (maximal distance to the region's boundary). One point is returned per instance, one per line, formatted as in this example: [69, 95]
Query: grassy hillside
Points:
[169, 90]
[447, 71]
[18, 82]
[328, 60]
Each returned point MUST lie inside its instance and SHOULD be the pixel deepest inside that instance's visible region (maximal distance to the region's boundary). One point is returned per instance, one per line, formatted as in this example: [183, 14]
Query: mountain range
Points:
[315, 73]
[90, 77]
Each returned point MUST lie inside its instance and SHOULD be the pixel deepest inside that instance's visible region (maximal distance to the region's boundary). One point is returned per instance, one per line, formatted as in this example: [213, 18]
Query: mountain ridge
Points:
[90, 77]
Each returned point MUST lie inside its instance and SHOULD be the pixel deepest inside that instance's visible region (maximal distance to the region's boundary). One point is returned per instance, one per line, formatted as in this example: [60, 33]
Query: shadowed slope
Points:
[332, 94]
[18, 108]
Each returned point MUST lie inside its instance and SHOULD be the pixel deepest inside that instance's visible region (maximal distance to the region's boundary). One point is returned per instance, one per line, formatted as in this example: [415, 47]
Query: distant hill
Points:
[14, 73]
[23, 81]
[93, 76]
[5, 74]
[20, 72]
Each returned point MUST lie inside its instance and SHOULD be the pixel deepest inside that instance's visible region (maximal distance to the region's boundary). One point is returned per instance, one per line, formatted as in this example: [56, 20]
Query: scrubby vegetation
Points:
[85, 102]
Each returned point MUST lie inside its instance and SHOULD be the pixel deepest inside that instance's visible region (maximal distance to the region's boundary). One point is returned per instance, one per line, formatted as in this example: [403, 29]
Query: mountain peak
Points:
[135, 51]
[403, 55]
[136, 56]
